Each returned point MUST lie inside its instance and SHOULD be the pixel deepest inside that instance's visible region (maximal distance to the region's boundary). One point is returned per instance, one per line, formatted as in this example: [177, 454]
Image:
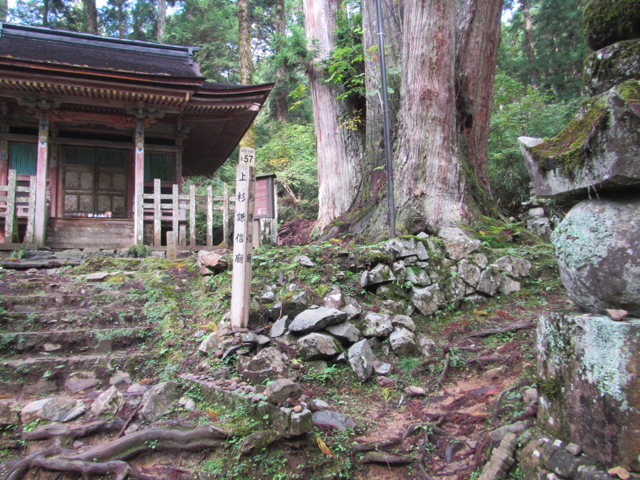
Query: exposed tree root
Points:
[494, 331]
[109, 457]
[56, 430]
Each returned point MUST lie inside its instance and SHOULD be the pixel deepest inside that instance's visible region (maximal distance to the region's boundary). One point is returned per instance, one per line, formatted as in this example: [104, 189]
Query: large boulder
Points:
[428, 300]
[314, 320]
[596, 152]
[588, 384]
[377, 325]
[598, 251]
[403, 342]
[54, 409]
[318, 346]
[361, 360]
[609, 21]
[612, 65]
[9, 411]
[406, 247]
[457, 243]
[283, 389]
[345, 332]
[108, 403]
[381, 273]
[268, 364]
[158, 400]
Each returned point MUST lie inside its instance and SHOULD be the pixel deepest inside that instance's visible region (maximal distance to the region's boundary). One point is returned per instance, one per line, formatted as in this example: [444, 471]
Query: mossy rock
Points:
[609, 21]
[597, 150]
[612, 65]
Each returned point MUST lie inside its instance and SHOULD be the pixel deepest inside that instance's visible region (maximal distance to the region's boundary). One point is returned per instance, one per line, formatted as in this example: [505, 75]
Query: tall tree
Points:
[3, 10]
[448, 55]
[245, 62]
[282, 111]
[338, 148]
[477, 44]
[162, 19]
[91, 12]
[543, 45]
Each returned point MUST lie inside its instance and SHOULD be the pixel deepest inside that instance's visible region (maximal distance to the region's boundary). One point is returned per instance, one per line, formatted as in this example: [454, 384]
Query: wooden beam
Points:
[138, 229]
[42, 173]
[28, 236]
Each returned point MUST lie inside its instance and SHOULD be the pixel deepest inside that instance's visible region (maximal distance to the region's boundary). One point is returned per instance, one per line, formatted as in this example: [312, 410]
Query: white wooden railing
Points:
[13, 206]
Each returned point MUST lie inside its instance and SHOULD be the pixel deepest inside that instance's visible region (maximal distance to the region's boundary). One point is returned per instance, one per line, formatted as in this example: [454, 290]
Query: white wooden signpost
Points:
[243, 239]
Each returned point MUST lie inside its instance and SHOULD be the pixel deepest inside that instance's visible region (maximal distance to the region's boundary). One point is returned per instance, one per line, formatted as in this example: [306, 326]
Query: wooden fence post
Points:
[171, 245]
[157, 213]
[209, 216]
[139, 215]
[175, 210]
[10, 215]
[28, 237]
[192, 215]
[225, 215]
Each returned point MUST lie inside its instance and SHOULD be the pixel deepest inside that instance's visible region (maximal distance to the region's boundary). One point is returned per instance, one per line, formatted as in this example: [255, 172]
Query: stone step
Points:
[44, 374]
[41, 286]
[34, 303]
[72, 341]
[63, 319]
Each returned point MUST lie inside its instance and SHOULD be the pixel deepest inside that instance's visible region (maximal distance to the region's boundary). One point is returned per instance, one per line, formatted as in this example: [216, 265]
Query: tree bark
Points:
[373, 176]
[338, 148]
[122, 26]
[244, 57]
[528, 33]
[3, 10]
[45, 14]
[477, 43]
[429, 178]
[282, 111]
[161, 20]
[91, 12]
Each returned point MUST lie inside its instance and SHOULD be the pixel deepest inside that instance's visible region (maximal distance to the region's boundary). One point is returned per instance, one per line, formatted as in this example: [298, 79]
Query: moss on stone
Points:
[565, 151]
[615, 64]
[609, 21]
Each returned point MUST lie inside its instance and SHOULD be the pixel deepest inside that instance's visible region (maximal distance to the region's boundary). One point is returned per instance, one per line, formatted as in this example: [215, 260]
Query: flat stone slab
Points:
[333, 419]
[313, 320]
[596, 152]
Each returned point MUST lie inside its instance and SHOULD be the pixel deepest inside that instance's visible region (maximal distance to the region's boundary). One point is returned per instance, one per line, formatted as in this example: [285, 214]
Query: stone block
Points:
[596, 151]
[588, 368]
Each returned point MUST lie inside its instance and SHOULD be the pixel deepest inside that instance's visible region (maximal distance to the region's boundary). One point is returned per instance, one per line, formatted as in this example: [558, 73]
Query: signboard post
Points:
[265, 204]
[243, 239]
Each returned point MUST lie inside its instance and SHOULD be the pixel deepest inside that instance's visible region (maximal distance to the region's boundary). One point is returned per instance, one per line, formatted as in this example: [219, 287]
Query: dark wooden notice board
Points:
[264, 205]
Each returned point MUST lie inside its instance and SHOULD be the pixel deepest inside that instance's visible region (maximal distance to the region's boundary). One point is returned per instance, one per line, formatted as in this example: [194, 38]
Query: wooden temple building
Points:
[92, 121]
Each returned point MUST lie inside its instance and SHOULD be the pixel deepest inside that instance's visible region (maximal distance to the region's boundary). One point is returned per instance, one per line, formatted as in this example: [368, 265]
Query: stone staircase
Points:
[58, 329]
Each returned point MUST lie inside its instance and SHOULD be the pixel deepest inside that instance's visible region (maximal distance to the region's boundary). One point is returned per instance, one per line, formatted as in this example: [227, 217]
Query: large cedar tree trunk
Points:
[477, 43]
[3, 10]
[338, 149]
[429, 178]
[373, 174]
[92, 15]
[246, 64]
[161, 22]
[282, 111]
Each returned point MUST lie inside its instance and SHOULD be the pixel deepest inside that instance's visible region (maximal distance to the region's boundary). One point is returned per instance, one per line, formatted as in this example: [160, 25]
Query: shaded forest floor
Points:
[483, 358]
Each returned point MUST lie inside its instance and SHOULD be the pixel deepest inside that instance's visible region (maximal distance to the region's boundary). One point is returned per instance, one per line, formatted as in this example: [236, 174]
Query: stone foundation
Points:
[589, 383]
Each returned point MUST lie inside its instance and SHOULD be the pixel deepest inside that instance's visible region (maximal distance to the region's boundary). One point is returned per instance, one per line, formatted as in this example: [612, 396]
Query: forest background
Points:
[537, 88]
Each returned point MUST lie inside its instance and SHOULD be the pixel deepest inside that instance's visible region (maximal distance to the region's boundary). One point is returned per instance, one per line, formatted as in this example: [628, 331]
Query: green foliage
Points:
[213, 25]
[558, 41]
[345, 65]
[520, 110]
[291, 154]
[140, 251]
